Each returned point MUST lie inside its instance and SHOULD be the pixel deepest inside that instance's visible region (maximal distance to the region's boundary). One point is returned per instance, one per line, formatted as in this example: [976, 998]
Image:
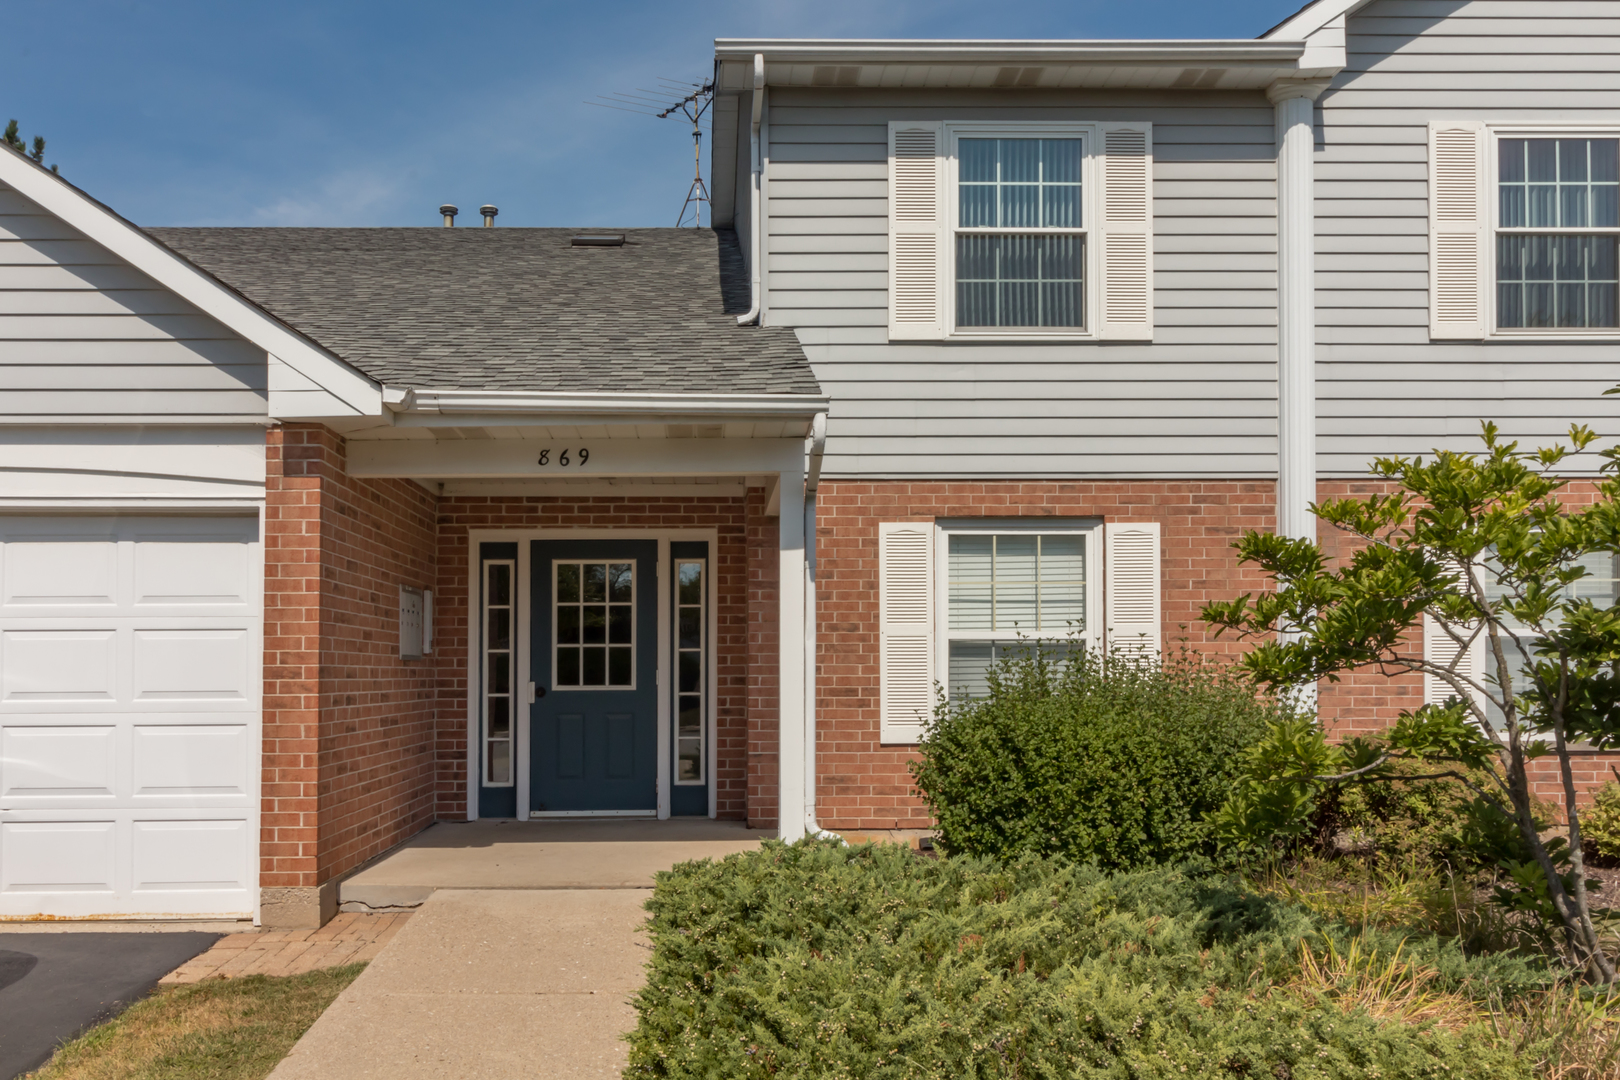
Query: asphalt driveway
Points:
[53, 986]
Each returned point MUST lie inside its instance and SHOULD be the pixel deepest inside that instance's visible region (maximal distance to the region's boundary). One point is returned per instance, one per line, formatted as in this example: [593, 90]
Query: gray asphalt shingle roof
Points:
[513, 309]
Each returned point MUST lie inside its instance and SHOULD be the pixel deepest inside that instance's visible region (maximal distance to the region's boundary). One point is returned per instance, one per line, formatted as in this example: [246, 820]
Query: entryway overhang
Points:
[448, 439]
[517, 443]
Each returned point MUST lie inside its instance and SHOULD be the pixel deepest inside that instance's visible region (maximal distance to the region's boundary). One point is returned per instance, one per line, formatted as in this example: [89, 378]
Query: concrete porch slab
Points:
[547, 854]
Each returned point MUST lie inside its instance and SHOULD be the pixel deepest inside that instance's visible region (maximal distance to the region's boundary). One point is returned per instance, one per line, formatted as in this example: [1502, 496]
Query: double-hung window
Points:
[1558, 224]
[1007, 592]
[1020, 240]
[1601, 586]
[955, 596]
[1524, 231]
[1039, 230]
[1478, 664]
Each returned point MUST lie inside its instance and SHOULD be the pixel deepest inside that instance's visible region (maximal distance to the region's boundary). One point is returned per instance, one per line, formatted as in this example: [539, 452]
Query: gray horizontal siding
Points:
[1383, 387]
[1200, 401]
[85, 337]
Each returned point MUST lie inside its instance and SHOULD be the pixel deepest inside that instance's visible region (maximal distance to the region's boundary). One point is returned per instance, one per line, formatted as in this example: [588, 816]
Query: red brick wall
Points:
[348, 767]
[865, 786]
[738, 655]
[362, 749]
[764, 712]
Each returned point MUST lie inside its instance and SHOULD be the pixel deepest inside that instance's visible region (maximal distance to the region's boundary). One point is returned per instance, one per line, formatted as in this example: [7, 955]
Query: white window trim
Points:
[1494, 134]
[1091, 637]
[1000, 129]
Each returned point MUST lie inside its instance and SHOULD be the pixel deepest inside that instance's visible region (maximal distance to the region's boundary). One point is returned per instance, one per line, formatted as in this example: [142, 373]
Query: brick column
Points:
[348, 768]
[763, 714]
[296, 457]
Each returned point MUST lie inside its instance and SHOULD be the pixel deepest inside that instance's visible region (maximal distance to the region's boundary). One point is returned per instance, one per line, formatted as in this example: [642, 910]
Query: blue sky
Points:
[330, 113]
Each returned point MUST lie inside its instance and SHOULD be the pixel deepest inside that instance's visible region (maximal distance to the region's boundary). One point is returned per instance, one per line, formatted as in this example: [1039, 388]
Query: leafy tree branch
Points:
[1482, 548]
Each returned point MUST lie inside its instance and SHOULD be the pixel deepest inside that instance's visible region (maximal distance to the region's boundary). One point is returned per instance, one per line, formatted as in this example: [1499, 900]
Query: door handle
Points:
[536, 692]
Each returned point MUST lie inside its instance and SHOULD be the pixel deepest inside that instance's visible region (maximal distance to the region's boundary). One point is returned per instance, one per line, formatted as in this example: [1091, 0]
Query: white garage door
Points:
[129, 715]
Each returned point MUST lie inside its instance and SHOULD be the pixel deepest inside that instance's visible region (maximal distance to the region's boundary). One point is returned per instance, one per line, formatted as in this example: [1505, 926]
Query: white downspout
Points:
[756, 167]
[814, 445]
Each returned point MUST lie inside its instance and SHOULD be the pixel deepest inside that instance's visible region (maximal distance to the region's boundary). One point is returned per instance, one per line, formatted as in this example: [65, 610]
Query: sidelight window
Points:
[691, 681]
[498, 672]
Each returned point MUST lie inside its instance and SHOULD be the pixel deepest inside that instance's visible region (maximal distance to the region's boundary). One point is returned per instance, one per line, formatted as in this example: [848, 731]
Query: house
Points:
[312, 537]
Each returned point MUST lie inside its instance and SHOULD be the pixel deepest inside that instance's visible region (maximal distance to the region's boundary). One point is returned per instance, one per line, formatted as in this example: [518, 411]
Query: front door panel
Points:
[594, 744]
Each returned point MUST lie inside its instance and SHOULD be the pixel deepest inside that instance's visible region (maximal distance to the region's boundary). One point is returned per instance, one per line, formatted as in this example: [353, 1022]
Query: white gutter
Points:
[754, 212]
[899, 51]
[586, 403]
[814, 445]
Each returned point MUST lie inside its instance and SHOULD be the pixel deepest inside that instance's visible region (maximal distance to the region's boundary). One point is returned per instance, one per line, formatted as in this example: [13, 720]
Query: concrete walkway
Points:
[529, 975]
[565, 854]
[500, 984]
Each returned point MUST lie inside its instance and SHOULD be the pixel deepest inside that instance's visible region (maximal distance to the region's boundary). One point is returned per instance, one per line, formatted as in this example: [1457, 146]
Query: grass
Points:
[1408, 893]
[1568, 1031]
[219, 1029]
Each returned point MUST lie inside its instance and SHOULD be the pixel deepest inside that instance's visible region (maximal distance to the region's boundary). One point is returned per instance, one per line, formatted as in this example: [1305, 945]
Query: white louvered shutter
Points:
[1439, 648]
[1459, 256]
[917, 256]
[1131, 591]
[906, 629]
[1125, 231]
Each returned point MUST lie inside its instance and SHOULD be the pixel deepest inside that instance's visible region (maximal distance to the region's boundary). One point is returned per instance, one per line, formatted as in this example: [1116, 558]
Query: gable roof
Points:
[510, 309]
[1311, 18]
[347, 391]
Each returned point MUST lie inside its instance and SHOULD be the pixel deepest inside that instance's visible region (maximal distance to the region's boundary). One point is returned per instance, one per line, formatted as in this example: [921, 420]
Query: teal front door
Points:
[594, 720]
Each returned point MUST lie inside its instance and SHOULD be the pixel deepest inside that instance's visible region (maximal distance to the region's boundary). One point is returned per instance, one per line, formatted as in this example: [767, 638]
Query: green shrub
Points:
[1600, 822]
[1405, 823]
[1103, 759]
[817, 961]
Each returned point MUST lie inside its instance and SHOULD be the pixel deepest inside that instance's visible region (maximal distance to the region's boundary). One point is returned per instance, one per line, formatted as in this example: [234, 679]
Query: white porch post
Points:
[791, 757]
[1295, 101]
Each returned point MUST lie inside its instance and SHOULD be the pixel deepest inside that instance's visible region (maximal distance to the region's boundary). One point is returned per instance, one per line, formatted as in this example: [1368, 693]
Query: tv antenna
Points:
[694, 106]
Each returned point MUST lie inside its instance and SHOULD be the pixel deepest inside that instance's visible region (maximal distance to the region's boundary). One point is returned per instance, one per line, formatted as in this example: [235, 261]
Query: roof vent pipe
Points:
[449, 211]
[489, 213]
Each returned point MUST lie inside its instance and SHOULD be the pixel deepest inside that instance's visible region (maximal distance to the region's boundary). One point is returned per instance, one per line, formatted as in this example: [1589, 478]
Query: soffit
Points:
[1038, 65]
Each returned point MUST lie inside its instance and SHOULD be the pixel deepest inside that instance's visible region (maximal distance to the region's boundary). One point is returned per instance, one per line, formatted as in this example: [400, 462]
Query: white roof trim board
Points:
[643, 405]
[359, 395]
[1312, 18]
[883, 50]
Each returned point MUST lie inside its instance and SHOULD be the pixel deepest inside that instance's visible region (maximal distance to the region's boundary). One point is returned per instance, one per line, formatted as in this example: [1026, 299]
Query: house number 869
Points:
[564, 458]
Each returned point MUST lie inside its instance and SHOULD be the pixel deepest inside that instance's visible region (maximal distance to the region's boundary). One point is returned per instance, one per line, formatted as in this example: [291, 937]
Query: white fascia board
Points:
[473, 459]
[353, 392]
[646, 406]
[1277, 49]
